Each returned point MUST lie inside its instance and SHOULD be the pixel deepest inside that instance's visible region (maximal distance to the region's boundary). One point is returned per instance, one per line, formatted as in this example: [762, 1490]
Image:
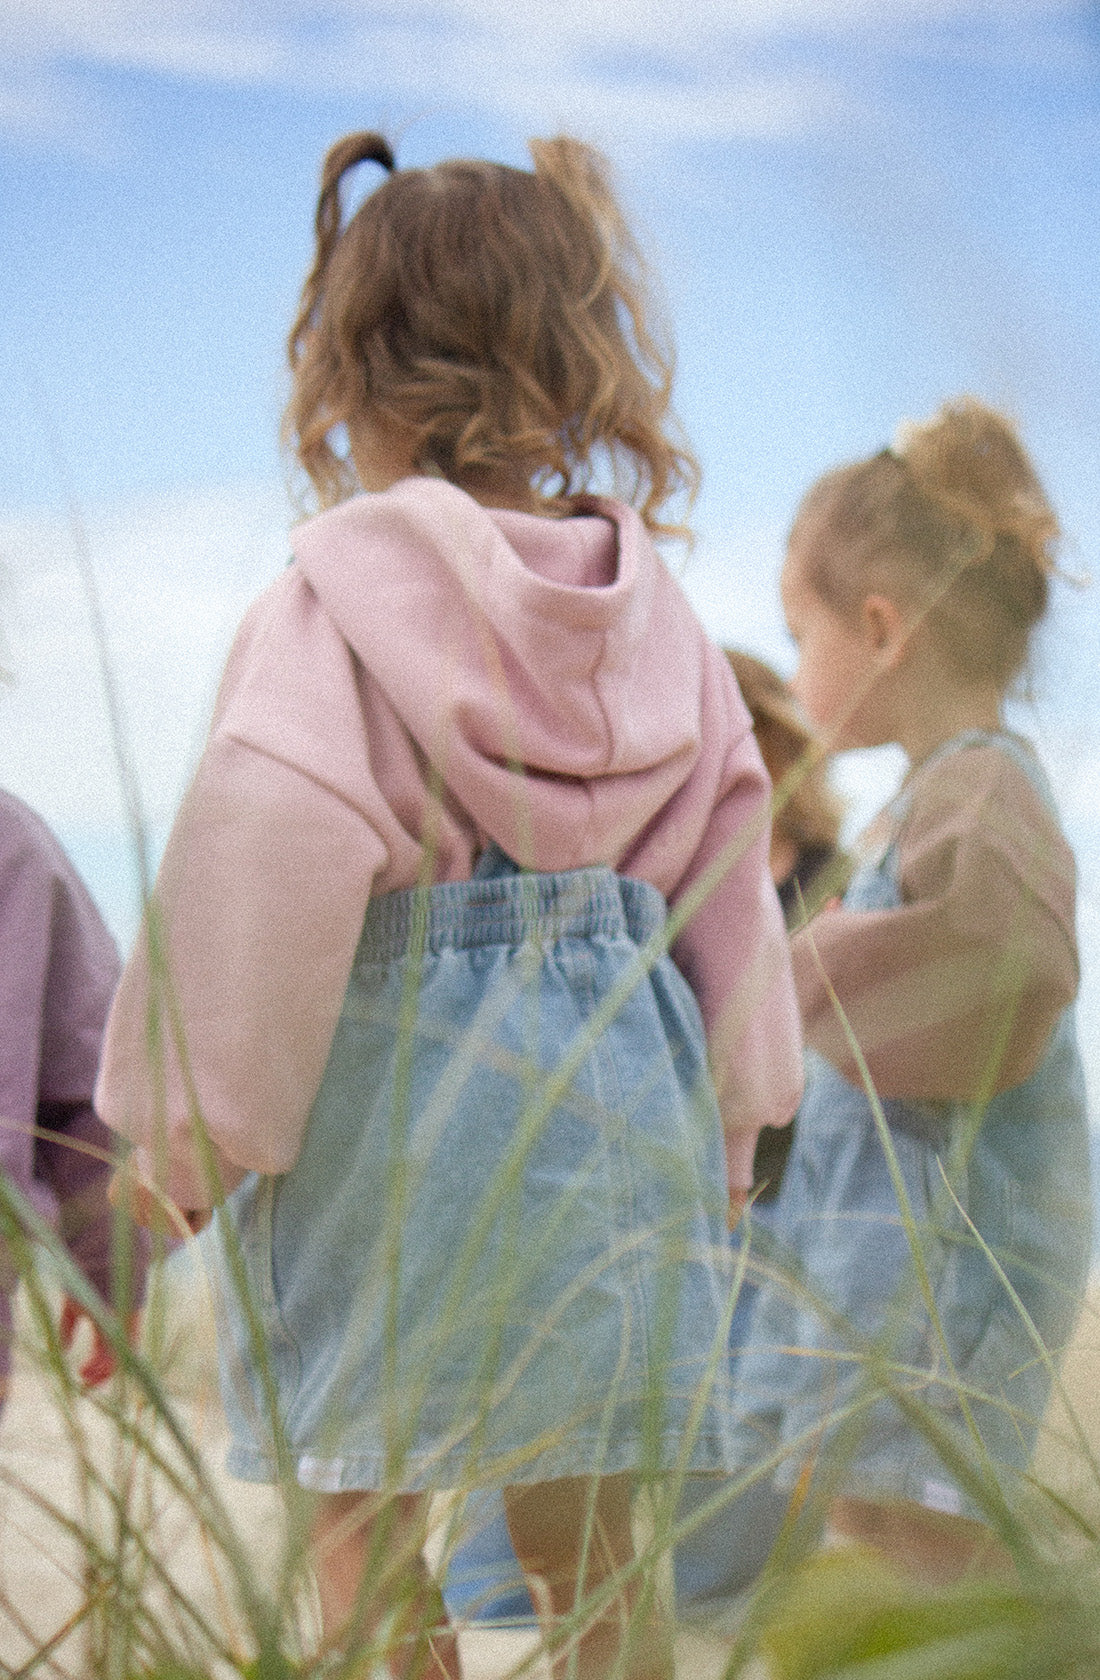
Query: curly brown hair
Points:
[809, 813]
[955, 521]
[498, 319]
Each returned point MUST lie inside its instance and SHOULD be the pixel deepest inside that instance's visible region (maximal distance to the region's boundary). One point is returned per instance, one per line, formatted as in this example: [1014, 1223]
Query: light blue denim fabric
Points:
[716, 1561]
[501, 1255]
[723, 1555]
[483, 1581]
[845, 1281]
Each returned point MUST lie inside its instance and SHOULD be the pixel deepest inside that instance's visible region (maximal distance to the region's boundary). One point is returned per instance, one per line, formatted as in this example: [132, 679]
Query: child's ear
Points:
[885, 628]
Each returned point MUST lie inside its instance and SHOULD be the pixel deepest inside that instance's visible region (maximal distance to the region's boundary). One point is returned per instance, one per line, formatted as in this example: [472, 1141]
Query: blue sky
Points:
[857, 208]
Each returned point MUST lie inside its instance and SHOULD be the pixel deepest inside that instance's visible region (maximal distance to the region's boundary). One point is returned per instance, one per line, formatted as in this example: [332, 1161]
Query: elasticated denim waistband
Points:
[510, 910]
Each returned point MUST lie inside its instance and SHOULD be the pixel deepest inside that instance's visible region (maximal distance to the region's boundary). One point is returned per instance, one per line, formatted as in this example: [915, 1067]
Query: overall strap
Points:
[1015, 747]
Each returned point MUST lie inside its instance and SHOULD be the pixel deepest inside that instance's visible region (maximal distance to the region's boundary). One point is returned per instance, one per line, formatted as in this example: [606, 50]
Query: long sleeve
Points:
[26, 914]
[228, 1006]
[955, 993]
[58, 969]
[375, 709]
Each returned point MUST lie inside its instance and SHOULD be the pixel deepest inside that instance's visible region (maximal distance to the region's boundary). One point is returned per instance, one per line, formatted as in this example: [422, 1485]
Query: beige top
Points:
[954, 993]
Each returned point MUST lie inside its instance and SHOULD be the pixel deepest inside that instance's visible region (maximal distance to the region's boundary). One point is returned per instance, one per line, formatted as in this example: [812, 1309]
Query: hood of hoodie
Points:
[556, 655]
[554, 675]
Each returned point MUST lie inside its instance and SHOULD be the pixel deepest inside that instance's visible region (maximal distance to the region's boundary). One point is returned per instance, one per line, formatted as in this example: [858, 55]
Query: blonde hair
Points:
[809, 813]
[955, 521]
[498, 319]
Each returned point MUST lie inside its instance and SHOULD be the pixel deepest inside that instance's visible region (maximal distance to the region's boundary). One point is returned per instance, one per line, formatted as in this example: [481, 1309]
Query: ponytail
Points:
[353, 149]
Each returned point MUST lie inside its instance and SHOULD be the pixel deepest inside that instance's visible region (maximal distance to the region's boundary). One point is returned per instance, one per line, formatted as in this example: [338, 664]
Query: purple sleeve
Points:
[75, 1162]
[26, 893]
[58, 970]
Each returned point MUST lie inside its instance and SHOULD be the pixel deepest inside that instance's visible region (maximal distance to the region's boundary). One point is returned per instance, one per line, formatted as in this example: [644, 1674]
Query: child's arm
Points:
[734, 954]
[74, 1155]
[954, 994]
[228, 1005]
[58, 969]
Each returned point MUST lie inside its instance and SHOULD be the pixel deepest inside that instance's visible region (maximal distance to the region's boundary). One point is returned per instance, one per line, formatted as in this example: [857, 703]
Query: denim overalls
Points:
[501, 1255]
[842, 1304]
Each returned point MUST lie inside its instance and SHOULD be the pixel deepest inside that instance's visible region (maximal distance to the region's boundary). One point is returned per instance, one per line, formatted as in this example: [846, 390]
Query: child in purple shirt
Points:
[58, 971]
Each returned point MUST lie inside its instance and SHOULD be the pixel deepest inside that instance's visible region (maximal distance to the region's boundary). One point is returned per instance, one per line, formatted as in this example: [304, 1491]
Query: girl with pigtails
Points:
[480, 1113]
[912, 583]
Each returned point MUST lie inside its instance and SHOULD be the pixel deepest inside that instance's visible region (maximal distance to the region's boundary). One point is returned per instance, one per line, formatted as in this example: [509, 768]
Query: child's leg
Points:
[548, 1523]
[371, 1576]
[933, 1547]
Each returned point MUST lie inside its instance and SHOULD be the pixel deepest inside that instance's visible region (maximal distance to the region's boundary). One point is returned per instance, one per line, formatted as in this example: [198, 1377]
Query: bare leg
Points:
[931, 1546]
[375, 1586]
[548, 1524]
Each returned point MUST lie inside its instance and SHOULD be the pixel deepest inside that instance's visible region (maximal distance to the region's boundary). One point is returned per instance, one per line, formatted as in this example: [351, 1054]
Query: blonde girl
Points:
[912, 583]
[466, 749]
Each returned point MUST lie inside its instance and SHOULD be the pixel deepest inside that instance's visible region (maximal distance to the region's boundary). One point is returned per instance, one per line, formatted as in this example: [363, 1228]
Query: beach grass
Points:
[126, 1550]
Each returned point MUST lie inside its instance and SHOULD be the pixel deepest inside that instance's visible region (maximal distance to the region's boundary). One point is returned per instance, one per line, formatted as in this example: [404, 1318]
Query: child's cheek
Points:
[812, 696]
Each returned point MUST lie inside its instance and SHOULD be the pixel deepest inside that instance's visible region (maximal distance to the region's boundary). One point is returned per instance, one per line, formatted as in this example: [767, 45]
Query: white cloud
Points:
[174, 578]
[732, 580]
[598, 64]
[766, 107]
[224, 39]
[43, 103]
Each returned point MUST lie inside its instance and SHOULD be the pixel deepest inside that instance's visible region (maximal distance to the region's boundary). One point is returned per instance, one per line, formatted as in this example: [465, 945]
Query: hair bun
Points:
[969, 459]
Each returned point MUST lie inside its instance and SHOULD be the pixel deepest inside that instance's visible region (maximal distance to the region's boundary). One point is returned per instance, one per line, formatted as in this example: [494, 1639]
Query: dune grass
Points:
[834, 1616]
[136, 1450]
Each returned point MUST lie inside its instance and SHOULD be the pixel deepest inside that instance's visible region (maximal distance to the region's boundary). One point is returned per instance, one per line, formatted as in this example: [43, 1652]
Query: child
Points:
[805, 861]
[480, 1185]
[912, 582]
[724, 1554]
[58, 970]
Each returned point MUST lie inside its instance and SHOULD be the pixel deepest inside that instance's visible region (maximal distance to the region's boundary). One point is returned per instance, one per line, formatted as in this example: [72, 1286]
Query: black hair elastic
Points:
[381, 153]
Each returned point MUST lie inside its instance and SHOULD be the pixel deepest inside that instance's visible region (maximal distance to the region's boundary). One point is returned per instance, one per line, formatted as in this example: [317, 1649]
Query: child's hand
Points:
[146, 1207]
[130, 1193]
[102, 1362]
[739, 1197]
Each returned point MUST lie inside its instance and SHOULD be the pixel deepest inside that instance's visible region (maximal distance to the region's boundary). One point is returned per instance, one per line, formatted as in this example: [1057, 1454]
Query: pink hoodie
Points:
[382, 696]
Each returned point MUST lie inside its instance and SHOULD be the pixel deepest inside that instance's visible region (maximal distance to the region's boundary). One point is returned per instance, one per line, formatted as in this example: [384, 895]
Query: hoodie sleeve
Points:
[225, 1015]
[27, 896]
[957, 990]
[734, 954]
[58, 970]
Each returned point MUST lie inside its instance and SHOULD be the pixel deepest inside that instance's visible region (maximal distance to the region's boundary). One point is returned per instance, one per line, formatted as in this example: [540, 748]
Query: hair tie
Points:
[382, 154]
[366, 147]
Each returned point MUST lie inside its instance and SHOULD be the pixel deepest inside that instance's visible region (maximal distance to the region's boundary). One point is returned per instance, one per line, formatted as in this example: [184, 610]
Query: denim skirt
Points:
[501, 1255]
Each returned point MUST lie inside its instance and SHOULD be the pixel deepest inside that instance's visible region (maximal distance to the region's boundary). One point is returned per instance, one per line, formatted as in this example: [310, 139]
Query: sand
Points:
[44, 1571]
[44, 1578]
